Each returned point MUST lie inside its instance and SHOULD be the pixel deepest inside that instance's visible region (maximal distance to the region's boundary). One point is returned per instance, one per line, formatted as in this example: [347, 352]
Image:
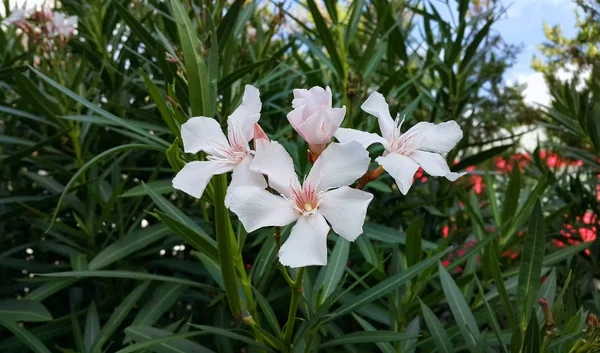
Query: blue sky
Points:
[523, 24]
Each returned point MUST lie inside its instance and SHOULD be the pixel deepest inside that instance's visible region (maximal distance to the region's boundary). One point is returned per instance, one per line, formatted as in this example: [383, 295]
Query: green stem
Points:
[296, 294]
[226, 244]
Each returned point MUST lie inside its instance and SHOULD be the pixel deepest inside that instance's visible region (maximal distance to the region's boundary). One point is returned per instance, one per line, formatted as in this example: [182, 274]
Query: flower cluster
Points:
[43, 26]
[324, 199]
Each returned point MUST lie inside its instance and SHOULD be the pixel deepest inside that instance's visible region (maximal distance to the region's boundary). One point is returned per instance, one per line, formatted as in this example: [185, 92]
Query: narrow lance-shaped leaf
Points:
[195, 67]
[117, 317]
[530, 271]
[336, 265]
[460, 310]
[225, 245]
[437, 331]
[387, 286]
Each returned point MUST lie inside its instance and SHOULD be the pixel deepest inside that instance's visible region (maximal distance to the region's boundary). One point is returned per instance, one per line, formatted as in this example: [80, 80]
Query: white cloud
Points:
[536, 92]
[518, 8]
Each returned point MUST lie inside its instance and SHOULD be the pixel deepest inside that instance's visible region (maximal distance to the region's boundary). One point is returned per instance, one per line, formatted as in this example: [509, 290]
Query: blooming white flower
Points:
[324, 195]
[314, 118]
[61, 26]
[420, 146]
[223, 154]
[17, 16]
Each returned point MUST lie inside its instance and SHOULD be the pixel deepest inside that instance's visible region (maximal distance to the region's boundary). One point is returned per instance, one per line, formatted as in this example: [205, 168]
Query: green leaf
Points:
[93, 107]
[158, 186]
[367, 337]
[195, 67]
[267, 311]
[385, 347]
[23, 310]
[161, 105]
[327, 38]
[225, 30]
[140, 31]
[334, 270]
[161, 301]
[128, 274]
[511, 198]
[492, 315]
[200, 241]
[162, 341]
[460, 310]
[438, 334]
[413, 240]
[35, 96]
[532, 341]
[530, 270]
[91, 163]
[479, 157]
[387, 286]
[558, 256]
[236, 336]
[91, 332]
[493, 263]
[174, 157]
[47, 289]
[128, 245]
[117, 317]
[173, 212]
[226, 244]
[25, 336]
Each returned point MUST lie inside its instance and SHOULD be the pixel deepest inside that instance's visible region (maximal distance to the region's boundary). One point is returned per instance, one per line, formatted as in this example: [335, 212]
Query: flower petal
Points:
[194, 176]
[243, 176]
[437, 138]
[339, 165]
[378, 107]
[401, 168]
[203, 134]
[366, 139]
[256, 208]
[434, 164]
[272, 160]
[307, 243]
[240, 124]
[345, 209]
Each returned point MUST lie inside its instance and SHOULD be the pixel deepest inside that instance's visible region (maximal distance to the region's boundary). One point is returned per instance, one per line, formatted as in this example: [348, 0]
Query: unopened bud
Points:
[170, 58]
[547, 315]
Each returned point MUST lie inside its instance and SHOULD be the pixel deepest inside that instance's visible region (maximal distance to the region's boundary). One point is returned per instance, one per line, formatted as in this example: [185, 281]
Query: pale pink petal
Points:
[272, 160]
[434, 164]
[378, 107]
[340, 164]
[203, 134]
[437, 138]
[307, 243]
[243, 176]
[240, 124]
[401, 168]
[366, 139]
[194, 176]
[345, 209]
[295, 118]
[257, 208]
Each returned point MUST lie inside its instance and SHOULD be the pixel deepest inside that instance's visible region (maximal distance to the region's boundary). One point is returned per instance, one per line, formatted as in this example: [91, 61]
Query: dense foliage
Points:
[99, 253]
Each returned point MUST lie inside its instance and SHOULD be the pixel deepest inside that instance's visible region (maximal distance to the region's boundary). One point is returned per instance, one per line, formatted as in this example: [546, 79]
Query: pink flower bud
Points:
[314, 118]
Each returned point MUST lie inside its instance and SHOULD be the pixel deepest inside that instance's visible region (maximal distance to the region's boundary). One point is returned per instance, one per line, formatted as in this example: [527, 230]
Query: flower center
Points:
[406, 143]
[305, 199]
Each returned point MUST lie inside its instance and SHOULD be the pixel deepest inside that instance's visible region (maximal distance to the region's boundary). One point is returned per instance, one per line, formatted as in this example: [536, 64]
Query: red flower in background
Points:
[576, 234]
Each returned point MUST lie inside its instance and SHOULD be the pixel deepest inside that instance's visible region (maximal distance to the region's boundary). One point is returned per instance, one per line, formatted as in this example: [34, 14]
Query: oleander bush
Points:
[379, 200]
